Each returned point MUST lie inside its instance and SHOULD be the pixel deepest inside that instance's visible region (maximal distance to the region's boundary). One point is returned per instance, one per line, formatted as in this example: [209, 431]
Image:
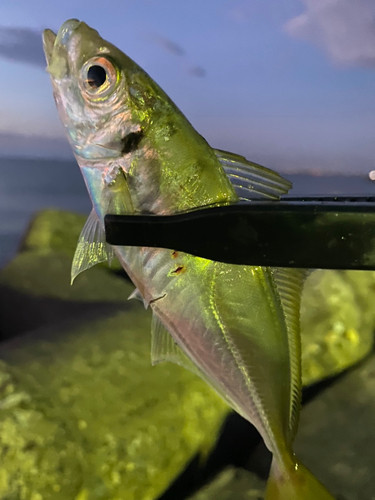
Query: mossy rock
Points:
[53, 231]
[83, 414]
[337, 321]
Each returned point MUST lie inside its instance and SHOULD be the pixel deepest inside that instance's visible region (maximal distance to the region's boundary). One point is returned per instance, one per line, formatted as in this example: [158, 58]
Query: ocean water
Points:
[30, 185]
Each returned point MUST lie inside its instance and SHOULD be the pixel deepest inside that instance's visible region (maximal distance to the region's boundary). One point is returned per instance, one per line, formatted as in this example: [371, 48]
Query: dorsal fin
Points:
[289, 283]
[91, 248]
[250, 180]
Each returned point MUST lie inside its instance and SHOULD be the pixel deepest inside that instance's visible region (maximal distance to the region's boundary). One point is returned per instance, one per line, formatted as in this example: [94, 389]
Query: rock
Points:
[337, 321]
[83, 414]
[233, 484]
[336, 436]
[35, 291]
[54, 231]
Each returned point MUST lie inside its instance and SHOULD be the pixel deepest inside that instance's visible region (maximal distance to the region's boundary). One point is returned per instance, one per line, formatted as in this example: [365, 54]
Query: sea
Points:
[29, 185]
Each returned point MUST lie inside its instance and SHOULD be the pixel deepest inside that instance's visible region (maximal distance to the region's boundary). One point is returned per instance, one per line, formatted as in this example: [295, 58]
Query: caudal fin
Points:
[295, 484]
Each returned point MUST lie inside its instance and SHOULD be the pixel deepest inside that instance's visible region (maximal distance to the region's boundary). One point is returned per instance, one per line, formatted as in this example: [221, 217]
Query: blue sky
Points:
[288, 83]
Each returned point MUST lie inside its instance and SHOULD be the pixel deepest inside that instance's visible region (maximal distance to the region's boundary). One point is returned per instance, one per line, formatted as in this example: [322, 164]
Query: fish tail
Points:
[294, 483]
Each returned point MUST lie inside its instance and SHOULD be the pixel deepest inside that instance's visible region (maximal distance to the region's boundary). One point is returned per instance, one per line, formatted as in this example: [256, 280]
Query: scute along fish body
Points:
[236, 326]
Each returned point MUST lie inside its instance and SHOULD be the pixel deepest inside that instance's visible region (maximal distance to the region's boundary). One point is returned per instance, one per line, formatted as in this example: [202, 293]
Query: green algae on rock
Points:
[53, 230]
[84, 415]
[337, 321]
[35, 291]
[48, 276]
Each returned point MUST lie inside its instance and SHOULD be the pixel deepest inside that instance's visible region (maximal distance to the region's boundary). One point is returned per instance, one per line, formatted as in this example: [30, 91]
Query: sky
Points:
[287, 83]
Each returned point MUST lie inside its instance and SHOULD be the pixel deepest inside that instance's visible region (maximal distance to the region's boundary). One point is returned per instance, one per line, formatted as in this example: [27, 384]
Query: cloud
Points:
[344, 28]
[178, 50]
[198, 71]
[22, 45]
[243, 11]
[169, 45]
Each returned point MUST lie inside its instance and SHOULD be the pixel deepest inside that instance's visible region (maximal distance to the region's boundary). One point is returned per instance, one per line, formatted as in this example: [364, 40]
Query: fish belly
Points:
[229, 321]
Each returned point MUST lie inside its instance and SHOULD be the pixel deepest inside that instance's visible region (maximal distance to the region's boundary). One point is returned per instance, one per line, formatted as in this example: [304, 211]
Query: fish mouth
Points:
[51, 40]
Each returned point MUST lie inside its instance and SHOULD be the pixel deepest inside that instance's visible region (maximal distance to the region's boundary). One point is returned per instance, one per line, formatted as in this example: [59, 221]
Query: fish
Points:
[237, 327]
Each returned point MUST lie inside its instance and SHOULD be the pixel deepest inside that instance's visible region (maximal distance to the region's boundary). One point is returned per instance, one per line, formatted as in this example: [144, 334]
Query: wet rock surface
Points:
[84, 415]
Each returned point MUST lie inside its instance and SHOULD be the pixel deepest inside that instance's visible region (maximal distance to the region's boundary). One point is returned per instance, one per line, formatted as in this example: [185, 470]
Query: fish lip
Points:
[52, 40]
[67, 30]
[49, 38]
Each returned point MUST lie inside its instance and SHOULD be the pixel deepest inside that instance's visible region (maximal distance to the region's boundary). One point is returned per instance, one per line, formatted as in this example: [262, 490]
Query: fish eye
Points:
[98, 77]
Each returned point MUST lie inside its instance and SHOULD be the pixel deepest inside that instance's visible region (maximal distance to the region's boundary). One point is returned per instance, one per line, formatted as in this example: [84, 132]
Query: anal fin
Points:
[164, 348]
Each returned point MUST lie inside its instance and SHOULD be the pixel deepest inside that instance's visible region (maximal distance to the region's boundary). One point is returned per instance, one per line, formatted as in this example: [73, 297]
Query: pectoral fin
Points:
[91, 248]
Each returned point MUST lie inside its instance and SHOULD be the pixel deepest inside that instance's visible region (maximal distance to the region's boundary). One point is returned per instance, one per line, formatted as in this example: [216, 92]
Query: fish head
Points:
[90, 90]
[118, 119]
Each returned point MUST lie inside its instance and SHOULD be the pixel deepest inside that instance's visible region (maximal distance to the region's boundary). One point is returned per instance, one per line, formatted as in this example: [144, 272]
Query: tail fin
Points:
[295, 484]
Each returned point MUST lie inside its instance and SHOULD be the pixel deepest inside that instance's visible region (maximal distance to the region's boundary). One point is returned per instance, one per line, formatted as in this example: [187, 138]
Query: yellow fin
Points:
[295, 484]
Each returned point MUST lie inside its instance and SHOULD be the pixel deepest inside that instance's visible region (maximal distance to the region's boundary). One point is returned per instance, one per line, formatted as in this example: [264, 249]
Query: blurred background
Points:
[288, 84]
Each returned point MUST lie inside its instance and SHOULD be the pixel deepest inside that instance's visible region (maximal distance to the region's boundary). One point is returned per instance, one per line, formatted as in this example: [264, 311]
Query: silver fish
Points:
[236, 326]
